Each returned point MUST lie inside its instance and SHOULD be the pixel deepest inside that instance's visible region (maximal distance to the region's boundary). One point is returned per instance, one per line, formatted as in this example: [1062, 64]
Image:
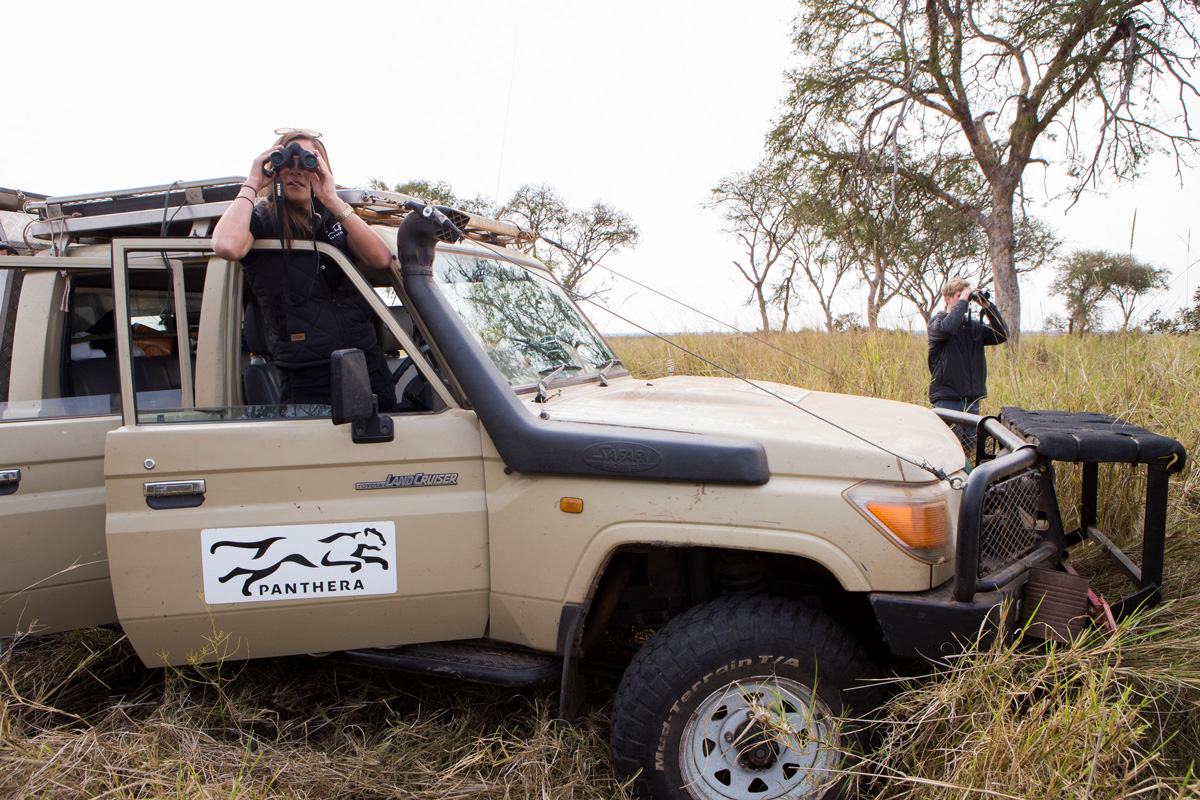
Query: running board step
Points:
[481, 663]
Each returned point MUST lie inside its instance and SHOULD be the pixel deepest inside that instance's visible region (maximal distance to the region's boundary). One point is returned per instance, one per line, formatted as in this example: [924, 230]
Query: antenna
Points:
[512, 76]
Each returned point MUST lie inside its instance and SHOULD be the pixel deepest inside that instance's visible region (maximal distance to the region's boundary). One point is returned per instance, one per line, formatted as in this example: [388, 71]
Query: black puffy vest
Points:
[309, 307]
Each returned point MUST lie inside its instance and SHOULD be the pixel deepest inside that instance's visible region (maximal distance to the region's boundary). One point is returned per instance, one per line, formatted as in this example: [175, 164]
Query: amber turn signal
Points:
[916, 517]
[923, 526]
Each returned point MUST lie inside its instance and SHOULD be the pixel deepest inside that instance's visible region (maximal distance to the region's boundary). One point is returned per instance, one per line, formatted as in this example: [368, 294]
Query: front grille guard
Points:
[1008, 519]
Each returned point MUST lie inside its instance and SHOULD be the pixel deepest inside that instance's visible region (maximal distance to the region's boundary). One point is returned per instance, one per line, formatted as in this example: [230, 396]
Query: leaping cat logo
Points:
[359, 555]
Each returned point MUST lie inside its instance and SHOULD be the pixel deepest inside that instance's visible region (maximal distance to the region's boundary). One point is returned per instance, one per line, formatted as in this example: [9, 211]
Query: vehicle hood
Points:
[803, 432]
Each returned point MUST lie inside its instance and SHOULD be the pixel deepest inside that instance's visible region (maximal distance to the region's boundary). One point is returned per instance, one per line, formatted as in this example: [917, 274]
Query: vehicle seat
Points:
[388, 341]
[260, 378]
[99, 376]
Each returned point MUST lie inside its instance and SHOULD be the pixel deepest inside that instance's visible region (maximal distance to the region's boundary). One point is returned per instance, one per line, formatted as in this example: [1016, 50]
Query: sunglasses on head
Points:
[305, 132]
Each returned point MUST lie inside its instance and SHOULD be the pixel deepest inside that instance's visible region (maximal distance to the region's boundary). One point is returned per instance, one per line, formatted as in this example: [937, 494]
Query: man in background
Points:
[957, 363]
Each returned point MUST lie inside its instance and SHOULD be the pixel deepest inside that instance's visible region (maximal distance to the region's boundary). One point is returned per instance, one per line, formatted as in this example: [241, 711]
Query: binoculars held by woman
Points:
[308, 159]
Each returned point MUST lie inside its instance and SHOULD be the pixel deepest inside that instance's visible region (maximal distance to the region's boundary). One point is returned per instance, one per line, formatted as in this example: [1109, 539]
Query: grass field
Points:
[1108, 717]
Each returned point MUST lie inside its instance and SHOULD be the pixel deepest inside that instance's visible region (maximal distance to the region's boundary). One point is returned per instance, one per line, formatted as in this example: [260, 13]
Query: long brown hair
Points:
[294, 221]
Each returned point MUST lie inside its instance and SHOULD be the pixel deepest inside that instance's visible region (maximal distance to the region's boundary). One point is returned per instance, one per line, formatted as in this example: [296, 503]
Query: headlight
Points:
[915, 517]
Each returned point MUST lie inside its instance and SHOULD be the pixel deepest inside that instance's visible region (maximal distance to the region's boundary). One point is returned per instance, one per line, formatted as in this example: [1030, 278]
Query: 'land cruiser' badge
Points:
[411, 481]
[298, 562]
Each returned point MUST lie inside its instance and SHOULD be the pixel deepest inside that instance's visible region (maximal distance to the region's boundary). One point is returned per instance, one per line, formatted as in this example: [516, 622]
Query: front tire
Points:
[741, 698]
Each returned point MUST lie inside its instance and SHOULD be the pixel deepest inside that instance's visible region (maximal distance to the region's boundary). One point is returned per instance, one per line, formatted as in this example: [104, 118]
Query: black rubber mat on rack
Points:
[1085, 436]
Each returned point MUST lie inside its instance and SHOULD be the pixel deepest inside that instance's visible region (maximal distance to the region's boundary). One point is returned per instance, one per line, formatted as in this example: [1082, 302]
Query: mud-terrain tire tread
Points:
[729, 627]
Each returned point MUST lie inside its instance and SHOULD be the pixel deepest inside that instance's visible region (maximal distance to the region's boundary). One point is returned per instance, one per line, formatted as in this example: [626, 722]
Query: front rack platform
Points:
[1092, 439]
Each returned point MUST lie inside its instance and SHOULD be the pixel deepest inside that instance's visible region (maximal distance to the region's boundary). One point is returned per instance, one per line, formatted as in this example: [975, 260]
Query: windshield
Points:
[526, 325]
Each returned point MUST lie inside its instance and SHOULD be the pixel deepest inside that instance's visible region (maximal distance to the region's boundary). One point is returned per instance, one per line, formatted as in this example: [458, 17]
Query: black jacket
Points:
[957, 365]
[310, 310]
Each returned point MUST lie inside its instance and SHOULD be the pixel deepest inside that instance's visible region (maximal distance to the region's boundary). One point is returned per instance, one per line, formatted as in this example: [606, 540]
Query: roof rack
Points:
[193, 208]
[15, 199]
[14, 220]
[390, 208]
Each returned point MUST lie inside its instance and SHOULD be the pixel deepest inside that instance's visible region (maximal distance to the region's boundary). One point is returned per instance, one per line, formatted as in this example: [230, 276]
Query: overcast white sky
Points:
[644, 105]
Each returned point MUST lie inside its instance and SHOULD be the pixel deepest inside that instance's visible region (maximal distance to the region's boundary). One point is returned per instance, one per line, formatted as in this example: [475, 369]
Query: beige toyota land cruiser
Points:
[532, 508]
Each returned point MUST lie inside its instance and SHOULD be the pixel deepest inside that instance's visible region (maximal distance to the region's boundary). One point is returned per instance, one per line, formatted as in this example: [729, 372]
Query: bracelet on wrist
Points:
[345, 215]
[249, 200]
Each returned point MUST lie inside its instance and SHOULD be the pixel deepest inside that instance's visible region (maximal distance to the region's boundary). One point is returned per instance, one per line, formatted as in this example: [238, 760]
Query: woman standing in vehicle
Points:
[310, 309]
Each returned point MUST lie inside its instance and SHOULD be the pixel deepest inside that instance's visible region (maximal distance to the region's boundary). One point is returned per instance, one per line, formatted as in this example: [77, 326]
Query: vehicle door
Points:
[58, 400]
[239, 530]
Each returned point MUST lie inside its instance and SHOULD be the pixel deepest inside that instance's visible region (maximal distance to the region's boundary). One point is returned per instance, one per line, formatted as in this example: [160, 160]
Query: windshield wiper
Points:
[551, 373]
[607, 365]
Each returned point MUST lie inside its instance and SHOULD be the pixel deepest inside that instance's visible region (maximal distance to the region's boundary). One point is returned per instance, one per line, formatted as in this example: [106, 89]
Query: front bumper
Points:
[933, 625]
[983, 598]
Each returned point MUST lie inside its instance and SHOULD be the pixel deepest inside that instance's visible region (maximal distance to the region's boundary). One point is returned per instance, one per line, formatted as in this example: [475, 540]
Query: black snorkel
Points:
[529, 443]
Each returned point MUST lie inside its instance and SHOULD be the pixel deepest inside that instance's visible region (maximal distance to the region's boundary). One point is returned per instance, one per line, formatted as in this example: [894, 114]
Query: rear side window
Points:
[81, 376]
[32, 370]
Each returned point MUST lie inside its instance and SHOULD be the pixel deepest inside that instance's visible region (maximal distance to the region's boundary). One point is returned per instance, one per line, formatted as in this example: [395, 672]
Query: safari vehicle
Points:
[748, 554]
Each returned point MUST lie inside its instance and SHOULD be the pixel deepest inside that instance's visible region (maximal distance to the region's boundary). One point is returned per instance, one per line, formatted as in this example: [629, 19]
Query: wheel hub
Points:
[760, 754]
[755, 746]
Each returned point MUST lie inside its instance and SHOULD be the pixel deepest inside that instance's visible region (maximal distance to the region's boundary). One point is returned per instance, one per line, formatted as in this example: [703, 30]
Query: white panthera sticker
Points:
[295, 562]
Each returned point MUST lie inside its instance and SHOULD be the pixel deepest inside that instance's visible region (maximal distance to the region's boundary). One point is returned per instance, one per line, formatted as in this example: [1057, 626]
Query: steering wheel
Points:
[407, 362]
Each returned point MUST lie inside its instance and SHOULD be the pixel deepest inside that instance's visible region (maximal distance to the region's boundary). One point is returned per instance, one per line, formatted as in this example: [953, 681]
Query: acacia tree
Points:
[759, 209]
[1130, 281]
[594, 233]
[942, 75]
[437, 192]
[1088, 277]
[582, 238]
[867, 231]
[944, 244]
[904, 240]
[789, 234]
[1080, 282]
[538, 208]
[822, 262]
[873, 242]
[579, 238]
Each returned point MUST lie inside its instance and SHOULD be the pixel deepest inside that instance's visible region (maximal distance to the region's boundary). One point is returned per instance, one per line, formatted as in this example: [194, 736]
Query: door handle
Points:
[174, 494]
[173, 488]
[9, 481]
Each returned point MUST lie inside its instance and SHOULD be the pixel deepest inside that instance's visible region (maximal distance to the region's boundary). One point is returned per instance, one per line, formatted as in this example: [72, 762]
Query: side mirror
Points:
[352, 398]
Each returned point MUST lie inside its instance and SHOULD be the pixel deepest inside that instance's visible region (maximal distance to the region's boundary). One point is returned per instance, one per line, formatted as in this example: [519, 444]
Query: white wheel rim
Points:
[789, 750]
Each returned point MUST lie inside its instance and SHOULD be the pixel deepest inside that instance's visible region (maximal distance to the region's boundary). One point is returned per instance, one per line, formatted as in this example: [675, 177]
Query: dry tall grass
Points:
[1111, 716]
[81, 718]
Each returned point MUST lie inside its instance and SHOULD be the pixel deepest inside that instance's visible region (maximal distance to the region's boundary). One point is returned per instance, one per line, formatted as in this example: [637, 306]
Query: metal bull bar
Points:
[1016, 455]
